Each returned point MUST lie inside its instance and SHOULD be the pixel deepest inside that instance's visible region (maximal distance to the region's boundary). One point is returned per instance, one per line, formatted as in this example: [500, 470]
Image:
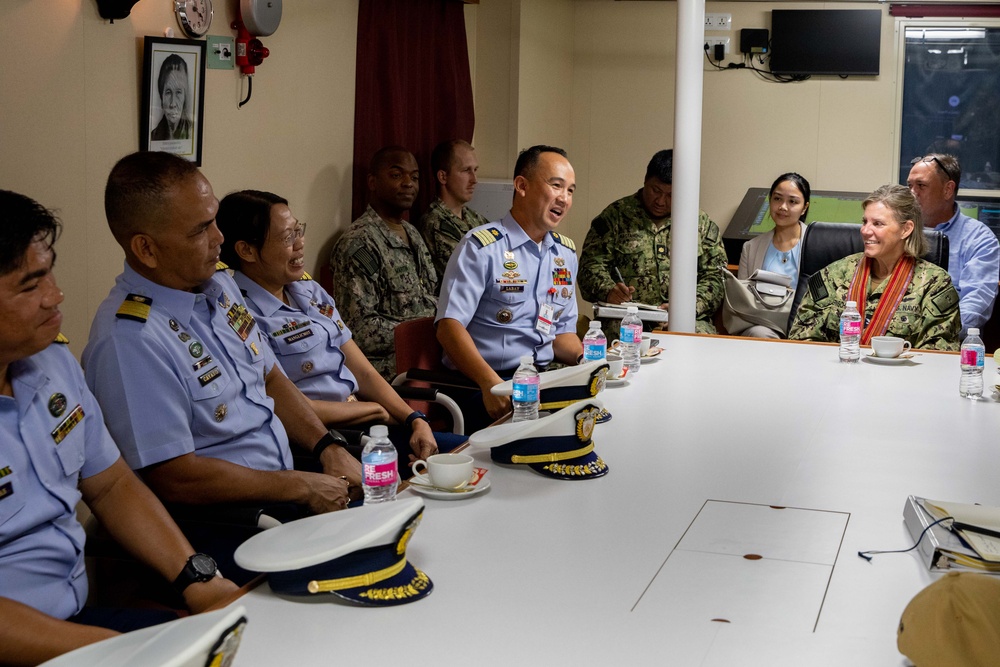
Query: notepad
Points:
[626, 304]
[978, 525]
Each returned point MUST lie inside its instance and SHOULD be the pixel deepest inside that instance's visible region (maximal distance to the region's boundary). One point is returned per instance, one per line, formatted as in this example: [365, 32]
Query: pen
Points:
[618, 274]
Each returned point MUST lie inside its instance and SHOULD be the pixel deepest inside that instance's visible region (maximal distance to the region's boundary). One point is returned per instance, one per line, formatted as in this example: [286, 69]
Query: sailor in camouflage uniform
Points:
[448, 218]
[382, 271]
[632, 235]
[927, 314]
[509, 290]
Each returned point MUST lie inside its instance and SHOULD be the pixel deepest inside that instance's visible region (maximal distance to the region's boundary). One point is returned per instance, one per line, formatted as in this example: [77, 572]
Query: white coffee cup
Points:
[615, 362]
[644, 346]
[449, 471]
[889, 347]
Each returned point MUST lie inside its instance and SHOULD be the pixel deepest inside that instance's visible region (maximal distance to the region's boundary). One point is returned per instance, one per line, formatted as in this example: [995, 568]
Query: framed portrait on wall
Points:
[173, 97]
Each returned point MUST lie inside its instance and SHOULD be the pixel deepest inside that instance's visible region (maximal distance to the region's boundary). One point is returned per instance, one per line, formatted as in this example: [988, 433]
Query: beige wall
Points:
[837, 133]
[70, 109]
[595, 76]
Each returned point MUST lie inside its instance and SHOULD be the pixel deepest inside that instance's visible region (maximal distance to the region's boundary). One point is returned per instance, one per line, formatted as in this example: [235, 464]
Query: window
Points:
[951, 99]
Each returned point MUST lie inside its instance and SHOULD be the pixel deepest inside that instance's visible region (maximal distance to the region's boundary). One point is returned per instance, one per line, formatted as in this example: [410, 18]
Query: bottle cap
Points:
[527, 359]
[973, 331]
[379, 431]
[595, 324]
[632, 309]
[852, 304]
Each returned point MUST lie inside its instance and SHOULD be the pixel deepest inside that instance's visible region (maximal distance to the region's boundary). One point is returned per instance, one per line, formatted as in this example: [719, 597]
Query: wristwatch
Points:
[415, 415]
[199, 567]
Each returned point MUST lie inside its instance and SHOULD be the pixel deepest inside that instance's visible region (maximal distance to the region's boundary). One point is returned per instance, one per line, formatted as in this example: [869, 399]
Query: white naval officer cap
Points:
[203, 640]
[558, 445]
[565, 386]
[357, 555]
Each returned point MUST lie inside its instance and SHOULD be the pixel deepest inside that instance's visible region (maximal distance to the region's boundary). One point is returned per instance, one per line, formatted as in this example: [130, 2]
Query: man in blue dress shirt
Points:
[191, 392]
[509, 289]
[54, 452]
[973, 249]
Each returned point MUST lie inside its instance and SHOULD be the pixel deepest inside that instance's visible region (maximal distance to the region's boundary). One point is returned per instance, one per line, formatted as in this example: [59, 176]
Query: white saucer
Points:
[617, 382]
[902, 359]
[446, 495]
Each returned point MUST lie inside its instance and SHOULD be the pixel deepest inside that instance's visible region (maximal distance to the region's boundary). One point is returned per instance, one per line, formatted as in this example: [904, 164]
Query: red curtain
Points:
[944, 11]
[413, 86]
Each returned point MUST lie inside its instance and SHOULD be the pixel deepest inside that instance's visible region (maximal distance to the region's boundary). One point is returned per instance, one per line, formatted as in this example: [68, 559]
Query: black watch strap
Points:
[414, 416]
[330, 438]
[199, 567]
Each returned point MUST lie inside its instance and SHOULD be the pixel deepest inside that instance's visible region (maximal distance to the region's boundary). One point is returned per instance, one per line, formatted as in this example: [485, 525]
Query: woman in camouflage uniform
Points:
[898, 293]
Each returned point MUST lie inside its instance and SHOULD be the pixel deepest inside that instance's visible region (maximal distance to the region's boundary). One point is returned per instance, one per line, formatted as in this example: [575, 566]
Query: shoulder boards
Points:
[564, 240]
[306, 276]
[135, 307]
[221, 266]
[486, 236]
[945, 300]
[61, 339]
[817, 287]
[364, 258]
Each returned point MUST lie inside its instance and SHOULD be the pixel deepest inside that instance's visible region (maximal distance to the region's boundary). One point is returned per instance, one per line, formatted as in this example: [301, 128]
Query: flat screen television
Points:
[825, 41]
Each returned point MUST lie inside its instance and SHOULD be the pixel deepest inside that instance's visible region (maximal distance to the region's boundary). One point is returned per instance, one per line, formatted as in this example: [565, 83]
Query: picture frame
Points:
[173, 97]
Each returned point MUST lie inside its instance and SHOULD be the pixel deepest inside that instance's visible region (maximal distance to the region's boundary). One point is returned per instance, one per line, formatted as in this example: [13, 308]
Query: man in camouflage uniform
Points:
[632, 235]
[382, 271]
[927, 315]
[448, 218]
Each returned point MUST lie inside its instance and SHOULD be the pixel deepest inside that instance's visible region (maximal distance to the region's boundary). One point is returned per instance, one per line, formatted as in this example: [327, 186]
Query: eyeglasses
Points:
[930, 158]
[291, 237]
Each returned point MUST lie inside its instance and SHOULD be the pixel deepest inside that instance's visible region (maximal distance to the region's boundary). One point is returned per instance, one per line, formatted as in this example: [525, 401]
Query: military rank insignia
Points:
[661, 250]
[562, 276]
[6, 490]
[135, 307]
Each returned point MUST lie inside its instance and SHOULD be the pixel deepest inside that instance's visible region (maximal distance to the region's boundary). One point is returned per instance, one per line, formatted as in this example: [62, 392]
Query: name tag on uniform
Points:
[545, 317]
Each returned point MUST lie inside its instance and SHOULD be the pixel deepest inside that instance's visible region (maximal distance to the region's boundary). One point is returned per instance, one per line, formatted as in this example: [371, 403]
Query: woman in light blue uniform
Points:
[264, 244]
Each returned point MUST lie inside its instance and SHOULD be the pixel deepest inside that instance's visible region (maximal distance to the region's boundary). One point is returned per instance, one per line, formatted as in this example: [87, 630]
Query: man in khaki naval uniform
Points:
[632, 235]
[382, 271]
[448, 218]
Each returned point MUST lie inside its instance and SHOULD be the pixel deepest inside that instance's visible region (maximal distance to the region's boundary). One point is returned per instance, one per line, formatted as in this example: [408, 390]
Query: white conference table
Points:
[541, 571]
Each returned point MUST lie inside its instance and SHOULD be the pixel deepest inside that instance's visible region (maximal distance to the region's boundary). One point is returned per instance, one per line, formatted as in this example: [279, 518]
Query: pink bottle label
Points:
[379, 474]
[631, 333]
[850, 329]
[971, 358]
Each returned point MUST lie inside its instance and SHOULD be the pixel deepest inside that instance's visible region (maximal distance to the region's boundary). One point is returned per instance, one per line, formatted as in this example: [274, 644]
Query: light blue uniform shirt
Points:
[306, 336]
[974, 267]
[184, 380]
[496, 290]
[53, 435]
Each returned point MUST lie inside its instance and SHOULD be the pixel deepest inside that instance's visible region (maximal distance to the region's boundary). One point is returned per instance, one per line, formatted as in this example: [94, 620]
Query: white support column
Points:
[687, 164]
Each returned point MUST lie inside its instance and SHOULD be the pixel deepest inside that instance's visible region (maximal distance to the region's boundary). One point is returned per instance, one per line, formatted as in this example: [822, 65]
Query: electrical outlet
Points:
[712, 41]
[722, 22]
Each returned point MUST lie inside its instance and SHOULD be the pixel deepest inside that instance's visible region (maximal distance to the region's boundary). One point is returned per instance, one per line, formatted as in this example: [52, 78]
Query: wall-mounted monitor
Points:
[826, 41]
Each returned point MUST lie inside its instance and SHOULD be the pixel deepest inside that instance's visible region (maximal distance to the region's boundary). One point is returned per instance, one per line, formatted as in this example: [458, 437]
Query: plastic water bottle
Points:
[525, 391]
[850, 334]
[595, 343]
[631, 338]
[973, 356]
[378, 460]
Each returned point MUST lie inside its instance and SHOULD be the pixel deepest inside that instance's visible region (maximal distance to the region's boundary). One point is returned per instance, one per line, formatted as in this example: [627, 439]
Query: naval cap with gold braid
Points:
[358, 555]
[559, 445]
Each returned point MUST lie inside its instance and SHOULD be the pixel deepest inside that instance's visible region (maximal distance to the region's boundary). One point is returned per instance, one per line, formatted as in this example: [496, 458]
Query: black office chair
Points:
[823, 243]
